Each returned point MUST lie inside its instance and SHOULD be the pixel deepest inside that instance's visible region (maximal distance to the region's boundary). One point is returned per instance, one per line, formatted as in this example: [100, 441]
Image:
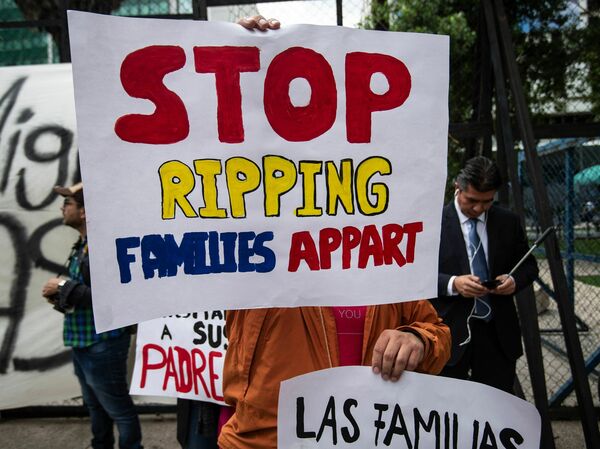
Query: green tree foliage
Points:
[438, 17]
[557, 44]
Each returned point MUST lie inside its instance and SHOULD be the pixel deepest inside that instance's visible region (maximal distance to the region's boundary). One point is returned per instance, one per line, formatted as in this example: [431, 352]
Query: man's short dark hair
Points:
[480, 173]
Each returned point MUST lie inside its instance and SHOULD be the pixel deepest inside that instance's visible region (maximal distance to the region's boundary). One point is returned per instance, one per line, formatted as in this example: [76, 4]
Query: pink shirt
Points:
[224, 415]
[350, 324]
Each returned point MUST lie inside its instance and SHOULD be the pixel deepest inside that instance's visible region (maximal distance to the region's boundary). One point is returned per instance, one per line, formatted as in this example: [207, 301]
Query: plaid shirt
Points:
[79, 330]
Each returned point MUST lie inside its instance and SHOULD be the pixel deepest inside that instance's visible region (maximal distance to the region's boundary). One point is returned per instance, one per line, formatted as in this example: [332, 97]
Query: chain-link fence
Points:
[34, 45]
[571, 172]
[27, 45]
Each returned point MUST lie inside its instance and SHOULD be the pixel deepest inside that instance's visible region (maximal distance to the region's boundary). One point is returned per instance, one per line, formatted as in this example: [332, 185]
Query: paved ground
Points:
[159, 433]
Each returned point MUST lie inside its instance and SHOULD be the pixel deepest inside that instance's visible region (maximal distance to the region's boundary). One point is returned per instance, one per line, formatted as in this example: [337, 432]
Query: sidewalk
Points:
[159, 433]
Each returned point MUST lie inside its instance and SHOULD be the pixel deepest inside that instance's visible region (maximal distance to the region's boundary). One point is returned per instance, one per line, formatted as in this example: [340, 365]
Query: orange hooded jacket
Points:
[268, 346]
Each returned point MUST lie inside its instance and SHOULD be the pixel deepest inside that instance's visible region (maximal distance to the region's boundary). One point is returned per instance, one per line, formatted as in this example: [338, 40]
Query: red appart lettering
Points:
[142, 74]
[329, 240]
[187, 372]
[392, 236]
[375, 247]
[361, 101]
[303, 248]
[300, 123]
[371, 247]
[350, 240]
[227, 63]
[412, 229]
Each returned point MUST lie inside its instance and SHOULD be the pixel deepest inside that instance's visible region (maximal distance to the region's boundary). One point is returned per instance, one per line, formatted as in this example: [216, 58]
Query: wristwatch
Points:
[61, 283]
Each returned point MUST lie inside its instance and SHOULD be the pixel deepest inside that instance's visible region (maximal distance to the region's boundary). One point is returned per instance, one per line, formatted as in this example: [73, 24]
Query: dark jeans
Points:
[195, 439]
[101, 370]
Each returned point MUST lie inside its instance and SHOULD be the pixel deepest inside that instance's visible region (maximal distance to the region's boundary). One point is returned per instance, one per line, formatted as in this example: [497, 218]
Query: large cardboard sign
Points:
[248, 166]
[38, 149]
[354, 408]
[181, 356]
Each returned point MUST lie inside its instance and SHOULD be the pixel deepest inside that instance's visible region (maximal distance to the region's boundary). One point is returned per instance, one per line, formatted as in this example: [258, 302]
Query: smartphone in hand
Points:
[491, 283]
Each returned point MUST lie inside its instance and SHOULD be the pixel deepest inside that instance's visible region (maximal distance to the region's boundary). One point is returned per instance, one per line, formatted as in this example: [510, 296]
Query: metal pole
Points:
[199, 10]
[339, 12]
[526, 298]
[589, 419]
[570, 224]
[64, 51]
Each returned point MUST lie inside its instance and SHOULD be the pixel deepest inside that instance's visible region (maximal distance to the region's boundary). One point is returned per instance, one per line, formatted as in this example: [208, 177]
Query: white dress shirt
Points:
[481, 230]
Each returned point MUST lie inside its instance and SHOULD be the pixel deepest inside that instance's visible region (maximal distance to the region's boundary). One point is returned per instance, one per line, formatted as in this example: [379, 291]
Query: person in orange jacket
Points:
[268, 346]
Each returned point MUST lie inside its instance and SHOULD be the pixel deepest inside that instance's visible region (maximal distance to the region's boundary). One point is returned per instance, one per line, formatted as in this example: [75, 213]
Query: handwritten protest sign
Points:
[354, 408]
[181, 356]
[249, 165]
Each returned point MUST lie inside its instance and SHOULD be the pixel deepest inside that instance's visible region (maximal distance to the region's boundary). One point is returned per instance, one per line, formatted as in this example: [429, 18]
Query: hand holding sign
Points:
[396, 351]
[259, 22]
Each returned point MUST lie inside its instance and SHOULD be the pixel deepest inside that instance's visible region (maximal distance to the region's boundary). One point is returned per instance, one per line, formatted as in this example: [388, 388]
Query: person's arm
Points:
[526, 273]
[422, 344]
[444, 283]
[467, 285]
[70, 293]
[73, 294]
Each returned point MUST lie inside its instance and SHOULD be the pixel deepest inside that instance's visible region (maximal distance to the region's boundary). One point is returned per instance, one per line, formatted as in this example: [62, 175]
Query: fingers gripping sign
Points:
[396, 351]
[259, 22]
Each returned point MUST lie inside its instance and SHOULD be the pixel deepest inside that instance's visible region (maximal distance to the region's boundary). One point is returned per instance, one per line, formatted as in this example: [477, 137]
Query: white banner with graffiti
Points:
[38, 150]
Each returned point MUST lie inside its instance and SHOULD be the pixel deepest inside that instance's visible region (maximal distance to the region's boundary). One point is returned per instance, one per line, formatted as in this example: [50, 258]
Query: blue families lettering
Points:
[198, 253]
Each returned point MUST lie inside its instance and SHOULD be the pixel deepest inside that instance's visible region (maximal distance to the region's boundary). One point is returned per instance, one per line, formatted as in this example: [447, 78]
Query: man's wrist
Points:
[451, 289]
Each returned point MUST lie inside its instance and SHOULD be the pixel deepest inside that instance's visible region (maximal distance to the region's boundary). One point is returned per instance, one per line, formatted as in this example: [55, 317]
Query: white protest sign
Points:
[249, 165]
[38, 150]
[181, 356]
[350, 407]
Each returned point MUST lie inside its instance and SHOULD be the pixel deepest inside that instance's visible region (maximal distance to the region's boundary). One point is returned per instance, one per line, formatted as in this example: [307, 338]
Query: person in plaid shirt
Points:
[100, 360]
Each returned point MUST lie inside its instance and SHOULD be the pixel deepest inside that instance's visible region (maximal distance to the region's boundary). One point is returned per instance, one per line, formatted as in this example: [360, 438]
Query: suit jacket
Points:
[507, 243]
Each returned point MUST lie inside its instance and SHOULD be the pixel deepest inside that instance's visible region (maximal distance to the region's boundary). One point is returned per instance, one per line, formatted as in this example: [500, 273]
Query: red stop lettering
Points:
[300, 123]
[361, 101]
[142, 74]
[227, 63]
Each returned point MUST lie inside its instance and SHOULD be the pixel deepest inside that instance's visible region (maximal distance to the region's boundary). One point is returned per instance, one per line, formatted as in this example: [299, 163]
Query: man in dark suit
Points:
[481, 241]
